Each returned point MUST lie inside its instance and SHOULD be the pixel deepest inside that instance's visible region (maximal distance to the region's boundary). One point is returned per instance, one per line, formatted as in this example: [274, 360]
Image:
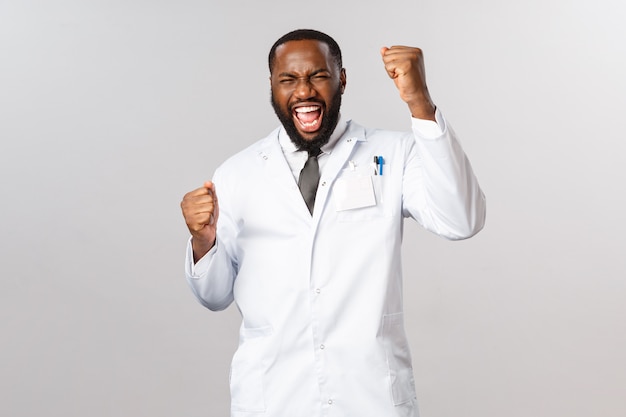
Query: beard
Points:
[329, 122]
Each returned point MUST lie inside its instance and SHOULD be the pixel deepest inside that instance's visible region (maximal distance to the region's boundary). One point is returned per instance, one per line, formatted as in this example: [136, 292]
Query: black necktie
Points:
[309, 178]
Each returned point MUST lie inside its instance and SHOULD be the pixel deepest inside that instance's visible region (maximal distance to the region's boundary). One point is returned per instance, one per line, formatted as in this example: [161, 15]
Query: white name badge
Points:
[354, 192]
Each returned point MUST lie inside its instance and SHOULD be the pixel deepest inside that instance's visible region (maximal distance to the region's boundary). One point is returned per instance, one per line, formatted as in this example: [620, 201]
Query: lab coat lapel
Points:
[274, 166]
[336, 162]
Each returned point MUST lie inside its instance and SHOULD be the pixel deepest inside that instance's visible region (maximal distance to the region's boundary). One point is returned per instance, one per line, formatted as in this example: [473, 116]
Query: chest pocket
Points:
[351, 181]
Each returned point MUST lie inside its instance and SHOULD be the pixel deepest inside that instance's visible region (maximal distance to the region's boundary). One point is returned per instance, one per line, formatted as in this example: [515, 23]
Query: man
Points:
[315, 269]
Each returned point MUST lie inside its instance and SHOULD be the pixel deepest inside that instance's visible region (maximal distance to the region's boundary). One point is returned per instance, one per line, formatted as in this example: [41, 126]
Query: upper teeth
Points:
[306, 109]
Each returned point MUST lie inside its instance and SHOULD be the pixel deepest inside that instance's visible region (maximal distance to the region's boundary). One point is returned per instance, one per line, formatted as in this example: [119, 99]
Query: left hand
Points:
[405, 66]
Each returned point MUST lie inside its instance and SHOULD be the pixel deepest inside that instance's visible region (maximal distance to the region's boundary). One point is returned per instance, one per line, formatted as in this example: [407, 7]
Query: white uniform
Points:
[321, 296]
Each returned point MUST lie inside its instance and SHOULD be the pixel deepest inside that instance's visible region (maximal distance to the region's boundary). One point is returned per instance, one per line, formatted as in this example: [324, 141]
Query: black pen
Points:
[376, 162]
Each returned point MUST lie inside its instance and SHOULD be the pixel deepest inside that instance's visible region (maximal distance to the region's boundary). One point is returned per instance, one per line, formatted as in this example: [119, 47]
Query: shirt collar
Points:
[289, 147]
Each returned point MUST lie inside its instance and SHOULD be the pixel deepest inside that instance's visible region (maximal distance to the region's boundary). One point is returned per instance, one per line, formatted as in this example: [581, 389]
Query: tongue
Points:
[308, 117]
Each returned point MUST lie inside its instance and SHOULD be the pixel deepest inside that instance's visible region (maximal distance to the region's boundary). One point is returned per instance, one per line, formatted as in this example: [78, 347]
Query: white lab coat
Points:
[321, 296]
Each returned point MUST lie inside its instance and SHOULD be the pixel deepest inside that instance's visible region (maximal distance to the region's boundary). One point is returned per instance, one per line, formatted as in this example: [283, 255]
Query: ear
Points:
[342, 79]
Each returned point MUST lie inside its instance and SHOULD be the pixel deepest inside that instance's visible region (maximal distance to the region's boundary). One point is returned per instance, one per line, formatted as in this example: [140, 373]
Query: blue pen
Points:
[380, 164]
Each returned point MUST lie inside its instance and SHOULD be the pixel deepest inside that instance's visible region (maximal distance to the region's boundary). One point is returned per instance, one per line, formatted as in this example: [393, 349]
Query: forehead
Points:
[302, 56]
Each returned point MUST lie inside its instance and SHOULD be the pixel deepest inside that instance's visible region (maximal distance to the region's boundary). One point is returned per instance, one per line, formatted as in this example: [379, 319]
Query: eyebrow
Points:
[290, 75]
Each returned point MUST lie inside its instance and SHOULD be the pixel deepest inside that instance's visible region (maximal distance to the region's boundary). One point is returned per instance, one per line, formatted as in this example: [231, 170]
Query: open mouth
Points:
[308, 117]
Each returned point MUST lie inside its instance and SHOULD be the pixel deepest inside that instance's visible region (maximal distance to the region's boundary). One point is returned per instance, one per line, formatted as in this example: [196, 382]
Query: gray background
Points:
[111, 110]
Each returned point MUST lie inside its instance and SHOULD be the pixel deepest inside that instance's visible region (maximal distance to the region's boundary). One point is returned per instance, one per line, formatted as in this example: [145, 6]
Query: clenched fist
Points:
[405, 66]
[201, 210]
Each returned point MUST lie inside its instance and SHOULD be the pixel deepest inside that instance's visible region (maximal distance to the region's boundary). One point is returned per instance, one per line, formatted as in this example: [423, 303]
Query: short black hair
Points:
[305, 35]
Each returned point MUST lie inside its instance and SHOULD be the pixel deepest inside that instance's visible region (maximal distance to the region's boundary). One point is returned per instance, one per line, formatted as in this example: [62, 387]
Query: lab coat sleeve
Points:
[212, 278]
[440, 189]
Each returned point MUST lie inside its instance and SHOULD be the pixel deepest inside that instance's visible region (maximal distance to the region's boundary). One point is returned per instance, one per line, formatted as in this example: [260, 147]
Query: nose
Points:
[304, 89]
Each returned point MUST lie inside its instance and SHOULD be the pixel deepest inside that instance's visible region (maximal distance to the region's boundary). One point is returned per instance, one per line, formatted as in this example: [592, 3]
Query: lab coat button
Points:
[322, 347]
[317, 291]
[330, 402]
[323, 183]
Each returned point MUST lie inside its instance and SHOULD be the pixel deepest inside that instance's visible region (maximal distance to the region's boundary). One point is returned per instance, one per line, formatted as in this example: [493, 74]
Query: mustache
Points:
[316, 101]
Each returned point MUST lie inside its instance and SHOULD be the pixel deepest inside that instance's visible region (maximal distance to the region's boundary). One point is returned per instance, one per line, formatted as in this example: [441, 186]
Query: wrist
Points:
[422, 109]
[200, 247]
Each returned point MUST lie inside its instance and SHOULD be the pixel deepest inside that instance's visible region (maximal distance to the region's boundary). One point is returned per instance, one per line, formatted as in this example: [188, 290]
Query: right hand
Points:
[405, 66]
[201, 210]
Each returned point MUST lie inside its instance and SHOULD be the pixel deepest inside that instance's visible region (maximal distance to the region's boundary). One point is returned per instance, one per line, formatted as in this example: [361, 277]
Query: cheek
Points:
[330, 90]
[281, 97]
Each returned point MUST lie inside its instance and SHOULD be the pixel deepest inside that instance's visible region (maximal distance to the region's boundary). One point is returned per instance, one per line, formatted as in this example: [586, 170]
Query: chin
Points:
[310, 136]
